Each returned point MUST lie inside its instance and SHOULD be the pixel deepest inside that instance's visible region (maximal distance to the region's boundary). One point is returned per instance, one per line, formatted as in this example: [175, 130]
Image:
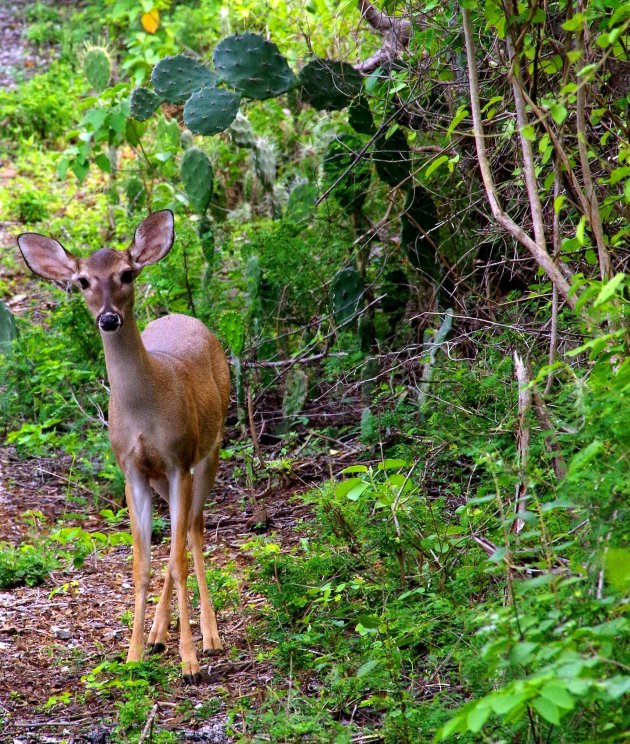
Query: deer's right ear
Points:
[47, 257]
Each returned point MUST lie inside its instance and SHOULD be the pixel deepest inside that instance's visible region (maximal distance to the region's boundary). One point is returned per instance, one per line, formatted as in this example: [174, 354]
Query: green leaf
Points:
[346, 486]
[556, 692]
[547, 710]
[354, 469]
[367, 667]
[103, 162]
[354, 493]
[584, 457]
[609, 289]
[478, 716]
[435, 165]
[460, 115]
[529, 133]
[617, 569]
[391, 464]
[574, 23]
[558, 113]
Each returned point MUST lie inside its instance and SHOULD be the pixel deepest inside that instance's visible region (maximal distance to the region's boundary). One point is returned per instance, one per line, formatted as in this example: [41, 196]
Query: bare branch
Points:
[539, 252]
[396, 32]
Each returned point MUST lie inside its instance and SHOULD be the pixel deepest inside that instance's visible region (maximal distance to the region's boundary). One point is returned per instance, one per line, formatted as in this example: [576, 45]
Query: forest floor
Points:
[51, 636]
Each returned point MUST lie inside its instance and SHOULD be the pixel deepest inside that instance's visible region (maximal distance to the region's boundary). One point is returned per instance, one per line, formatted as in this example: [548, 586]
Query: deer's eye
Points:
[83, 282]
[126, 277]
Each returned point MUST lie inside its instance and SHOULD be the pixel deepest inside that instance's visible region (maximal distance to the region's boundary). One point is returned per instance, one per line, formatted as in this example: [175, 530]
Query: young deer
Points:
[169, 394]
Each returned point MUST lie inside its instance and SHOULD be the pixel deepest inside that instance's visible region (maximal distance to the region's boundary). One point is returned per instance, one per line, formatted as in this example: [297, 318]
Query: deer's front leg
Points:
[139, 502]
[180, 500]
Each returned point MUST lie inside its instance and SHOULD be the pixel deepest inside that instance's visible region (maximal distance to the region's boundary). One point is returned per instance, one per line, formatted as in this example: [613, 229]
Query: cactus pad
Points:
[360, 116]
[197, 177]
[396, 294]
[328, 85]
[143, 103]
[233, 331]
[347, 291]
[252, 65]
[177, 78]
[241, 132]
[419, 236]
[265, 163]
[342, 158]
[392, 157]
[97, 65]
[8, 328]
[211, 110]
[295, 393]
[205, 231]
[301, 202]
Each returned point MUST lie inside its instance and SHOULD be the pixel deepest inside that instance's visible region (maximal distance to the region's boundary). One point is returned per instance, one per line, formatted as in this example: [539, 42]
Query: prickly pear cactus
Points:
[340, 161]
[392, 157]
[97, 66]
[295, 393]
[186, 140]
[8, 328]
[211, 110]
[360, 116]
[197, 177]
[241, 132]
[176, 78]
[233, 331]
[136, 195]
[143, 103]
[301, 204]
[253, 65]
[419, 234]
[395, 289]
[205, 231]
[265, 163]
[328, 85]
[347, 291]
[369, 430]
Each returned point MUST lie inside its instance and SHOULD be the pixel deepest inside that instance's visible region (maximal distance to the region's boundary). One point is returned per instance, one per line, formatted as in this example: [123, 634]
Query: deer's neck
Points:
[129, 365]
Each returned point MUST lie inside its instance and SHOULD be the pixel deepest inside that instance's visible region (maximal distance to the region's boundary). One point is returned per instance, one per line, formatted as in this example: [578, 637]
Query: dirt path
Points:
[51, 636]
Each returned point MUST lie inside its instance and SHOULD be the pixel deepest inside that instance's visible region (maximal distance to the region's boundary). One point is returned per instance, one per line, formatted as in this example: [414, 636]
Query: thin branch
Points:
[539, 252]
[522, 439]
[605, 267]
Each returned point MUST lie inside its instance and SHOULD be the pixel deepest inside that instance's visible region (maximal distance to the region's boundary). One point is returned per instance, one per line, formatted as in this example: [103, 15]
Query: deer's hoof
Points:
[156, 648]
[192, 679]
[209, 652]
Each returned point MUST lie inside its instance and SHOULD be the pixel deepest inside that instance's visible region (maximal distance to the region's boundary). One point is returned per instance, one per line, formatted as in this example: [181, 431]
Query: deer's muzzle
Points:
[109, 321]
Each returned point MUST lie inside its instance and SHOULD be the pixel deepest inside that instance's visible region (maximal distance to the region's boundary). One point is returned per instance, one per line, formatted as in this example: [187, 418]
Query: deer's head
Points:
[106, 276]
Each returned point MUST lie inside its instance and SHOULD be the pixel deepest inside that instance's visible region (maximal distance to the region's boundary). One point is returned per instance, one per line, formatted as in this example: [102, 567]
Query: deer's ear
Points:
[153, 239]
[47, 257]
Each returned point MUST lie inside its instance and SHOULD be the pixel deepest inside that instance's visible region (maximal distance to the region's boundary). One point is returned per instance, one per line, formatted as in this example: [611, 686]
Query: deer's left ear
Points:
[153, 239]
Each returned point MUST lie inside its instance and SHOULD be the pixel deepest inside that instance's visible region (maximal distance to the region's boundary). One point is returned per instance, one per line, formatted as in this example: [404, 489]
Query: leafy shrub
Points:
[28, 564]
[41, 108]
[29, 206]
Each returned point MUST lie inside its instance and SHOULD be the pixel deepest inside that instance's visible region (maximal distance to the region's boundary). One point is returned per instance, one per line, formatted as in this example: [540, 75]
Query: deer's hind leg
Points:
[203, 479]
[162, 620]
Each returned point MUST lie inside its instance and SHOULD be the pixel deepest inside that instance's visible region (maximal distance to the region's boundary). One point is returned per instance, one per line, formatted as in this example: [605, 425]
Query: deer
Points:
[169, 395]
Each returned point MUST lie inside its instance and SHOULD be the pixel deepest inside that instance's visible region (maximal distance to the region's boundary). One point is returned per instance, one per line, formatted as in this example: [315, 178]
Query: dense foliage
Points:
[415, 254]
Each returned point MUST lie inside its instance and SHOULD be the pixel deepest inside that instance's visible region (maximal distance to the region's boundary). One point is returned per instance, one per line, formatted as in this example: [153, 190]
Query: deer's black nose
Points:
[109, 321]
